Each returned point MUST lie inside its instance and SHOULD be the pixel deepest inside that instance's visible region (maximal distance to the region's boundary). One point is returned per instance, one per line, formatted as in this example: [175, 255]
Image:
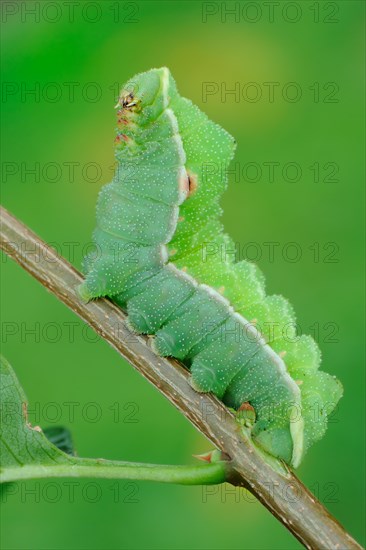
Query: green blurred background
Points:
[117, 414]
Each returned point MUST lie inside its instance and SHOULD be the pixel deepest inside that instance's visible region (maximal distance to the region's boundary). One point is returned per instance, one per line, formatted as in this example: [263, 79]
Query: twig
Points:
[280, 491]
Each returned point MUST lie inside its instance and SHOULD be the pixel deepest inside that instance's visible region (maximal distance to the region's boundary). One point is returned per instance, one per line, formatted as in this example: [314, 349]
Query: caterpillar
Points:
[207, 310]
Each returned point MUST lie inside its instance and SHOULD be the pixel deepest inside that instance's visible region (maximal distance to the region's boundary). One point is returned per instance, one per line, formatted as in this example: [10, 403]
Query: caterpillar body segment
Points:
[158, 299]
[184, 334]
[128, 216]
[163, 255]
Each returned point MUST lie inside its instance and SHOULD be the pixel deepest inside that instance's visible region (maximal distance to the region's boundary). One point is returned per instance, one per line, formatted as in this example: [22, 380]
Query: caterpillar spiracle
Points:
[152, 222]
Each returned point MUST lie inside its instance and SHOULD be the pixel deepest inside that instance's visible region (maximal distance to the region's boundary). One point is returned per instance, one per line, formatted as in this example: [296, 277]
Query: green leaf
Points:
[22, 446]
[26, 452]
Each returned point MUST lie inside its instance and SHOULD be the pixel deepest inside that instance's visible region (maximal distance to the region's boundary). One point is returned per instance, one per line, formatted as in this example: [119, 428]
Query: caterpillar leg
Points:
[275, 397]
[246, 414]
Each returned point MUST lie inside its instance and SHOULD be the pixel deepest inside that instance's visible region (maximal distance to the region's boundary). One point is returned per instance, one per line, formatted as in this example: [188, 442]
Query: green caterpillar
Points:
[152, 223]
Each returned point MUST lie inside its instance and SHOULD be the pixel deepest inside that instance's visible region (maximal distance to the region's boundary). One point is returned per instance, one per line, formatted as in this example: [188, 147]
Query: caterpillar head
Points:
[143, 97]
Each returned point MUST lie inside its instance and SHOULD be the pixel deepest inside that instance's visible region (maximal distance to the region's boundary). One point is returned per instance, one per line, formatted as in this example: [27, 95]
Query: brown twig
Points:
[282, 493]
